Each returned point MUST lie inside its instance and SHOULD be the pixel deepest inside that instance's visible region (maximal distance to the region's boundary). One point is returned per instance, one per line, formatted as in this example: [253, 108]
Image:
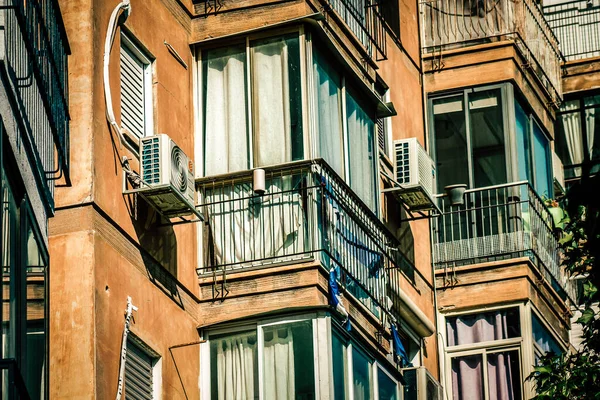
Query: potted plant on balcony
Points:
[559, 216]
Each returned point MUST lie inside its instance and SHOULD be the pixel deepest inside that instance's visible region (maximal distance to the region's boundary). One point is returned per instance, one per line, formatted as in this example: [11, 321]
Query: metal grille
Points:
[402, 162]
[138, 373]
[577, 26]
[150, 159]
[381, 135]
[496, 223]
[132, 93]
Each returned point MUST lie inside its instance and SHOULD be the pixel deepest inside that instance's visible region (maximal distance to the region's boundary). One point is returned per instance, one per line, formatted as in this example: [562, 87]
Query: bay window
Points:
[290, 358]
[253, 96]
[485, 137]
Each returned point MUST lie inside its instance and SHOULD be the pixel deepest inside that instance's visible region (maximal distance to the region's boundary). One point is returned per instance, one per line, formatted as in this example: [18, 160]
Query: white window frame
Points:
[128, 44]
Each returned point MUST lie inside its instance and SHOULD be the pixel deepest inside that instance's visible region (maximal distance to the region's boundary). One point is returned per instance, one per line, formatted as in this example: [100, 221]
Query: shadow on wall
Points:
[158, 246]
[402, 231]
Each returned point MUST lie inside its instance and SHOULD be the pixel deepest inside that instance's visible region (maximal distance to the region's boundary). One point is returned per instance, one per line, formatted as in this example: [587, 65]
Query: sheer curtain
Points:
[591, 114]
[279, 364]
[329, 113]
[571, 124]
[225, 119]
[271, 102]
[234, 368]
[361, 151]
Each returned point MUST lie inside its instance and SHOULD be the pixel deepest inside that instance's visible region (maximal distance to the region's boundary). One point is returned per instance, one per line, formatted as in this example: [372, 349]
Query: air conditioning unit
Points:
[167, 177]
[414, 170]
[559, 174]
[420, 385]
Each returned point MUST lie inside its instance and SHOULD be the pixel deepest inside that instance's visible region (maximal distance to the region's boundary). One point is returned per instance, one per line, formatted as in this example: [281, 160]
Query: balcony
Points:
[576, 24]
[449, 24]
[364, 19]
[34, 50]
[306, 214]
[499, 223]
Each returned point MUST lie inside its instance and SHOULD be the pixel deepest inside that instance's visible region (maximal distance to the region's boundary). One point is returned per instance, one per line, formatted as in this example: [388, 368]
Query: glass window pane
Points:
[569, 142]
[361, 368]
[361, 148]
[467, 378]
[450, 139]
[36, 318]
[234, 366]
[543, 338]
[276, 100]
[328, 116]
[288, 361]
[225, 112]
[504, 376]
[483, 327]
[524, 172]
[487, 138]
[387, 387]
[338, 352]
[542, 165]
[592, 128]
[9, 243]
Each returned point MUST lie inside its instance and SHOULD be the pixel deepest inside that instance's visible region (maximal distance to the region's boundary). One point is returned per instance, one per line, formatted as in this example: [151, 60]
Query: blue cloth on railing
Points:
[400, 354]
[335, 299]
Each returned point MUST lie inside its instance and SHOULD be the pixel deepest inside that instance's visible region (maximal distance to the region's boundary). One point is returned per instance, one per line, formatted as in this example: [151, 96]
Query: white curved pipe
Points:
[124, 7]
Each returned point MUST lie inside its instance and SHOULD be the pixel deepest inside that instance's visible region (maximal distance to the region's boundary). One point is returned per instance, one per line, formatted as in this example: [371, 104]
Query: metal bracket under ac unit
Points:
[153, 195]
[414, 213]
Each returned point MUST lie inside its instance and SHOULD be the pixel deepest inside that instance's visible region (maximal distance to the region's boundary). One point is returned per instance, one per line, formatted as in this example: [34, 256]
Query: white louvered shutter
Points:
[138, 373]
[133, 113]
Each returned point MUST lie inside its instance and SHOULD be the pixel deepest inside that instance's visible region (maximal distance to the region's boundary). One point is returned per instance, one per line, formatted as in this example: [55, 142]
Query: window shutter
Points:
[138, 373]
[132, 93]
[381, 139]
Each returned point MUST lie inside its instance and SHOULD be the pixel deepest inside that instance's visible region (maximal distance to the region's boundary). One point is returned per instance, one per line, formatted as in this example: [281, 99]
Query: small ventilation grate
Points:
[402, 163]
[151, 161]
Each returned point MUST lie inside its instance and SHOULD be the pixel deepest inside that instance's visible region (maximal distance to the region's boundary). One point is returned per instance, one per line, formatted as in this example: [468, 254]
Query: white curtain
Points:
[467, 379]
[235, 358]
[225, 127]
[329, 113]
[278, 359]
[271, 102]
[590, 125]
[361, 149]
[571, 123]
[247, 229]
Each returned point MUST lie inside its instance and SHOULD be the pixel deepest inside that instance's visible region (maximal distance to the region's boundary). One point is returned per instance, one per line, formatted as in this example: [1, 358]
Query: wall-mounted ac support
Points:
[414, 178]
[166, 179]
[420, 384]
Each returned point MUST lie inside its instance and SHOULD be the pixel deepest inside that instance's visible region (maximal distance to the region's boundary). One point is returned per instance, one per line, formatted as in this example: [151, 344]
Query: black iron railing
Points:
[498, 223]
[307, 213]
[365, 21]
[36, 51]
[450, 24]
[577, 26]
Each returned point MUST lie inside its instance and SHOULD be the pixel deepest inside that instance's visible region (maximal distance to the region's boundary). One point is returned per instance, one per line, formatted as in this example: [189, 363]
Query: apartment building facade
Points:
[34, 158]
[499, 78]
[276, 251]
[294, 273]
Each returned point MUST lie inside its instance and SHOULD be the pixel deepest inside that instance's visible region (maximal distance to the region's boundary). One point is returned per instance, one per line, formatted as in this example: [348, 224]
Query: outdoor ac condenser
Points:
[420, 385]
[414, 170]
[167, 176]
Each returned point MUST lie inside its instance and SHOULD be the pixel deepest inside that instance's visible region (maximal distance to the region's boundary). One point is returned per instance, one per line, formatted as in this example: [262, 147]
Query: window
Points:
[543, 341]
[270, 89]
[136, 89]
[346, 135]
[578, 134]
[252, 96]
[283, 352]
[472, 144]
[139, 372]
[484, 355]
[391, 15]
[24, 287]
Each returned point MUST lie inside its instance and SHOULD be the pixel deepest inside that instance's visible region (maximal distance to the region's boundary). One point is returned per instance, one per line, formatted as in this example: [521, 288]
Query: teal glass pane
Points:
[523, 144]
[338, 351]
[387, 387]
[542, 165]
[361, 368]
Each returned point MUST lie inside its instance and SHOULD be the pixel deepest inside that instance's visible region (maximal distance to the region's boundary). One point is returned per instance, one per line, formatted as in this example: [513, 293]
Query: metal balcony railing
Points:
[366, 22]
[307, 213]
[577, 26]
[498, 223]
[35, 57]
[450, 24]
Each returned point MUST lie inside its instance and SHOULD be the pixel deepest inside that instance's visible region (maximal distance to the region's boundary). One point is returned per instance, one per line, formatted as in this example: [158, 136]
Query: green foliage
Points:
[576, 375]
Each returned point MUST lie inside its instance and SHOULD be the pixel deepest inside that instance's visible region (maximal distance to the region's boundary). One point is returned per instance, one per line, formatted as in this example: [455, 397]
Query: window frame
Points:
[130, 44]
[156, 365]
